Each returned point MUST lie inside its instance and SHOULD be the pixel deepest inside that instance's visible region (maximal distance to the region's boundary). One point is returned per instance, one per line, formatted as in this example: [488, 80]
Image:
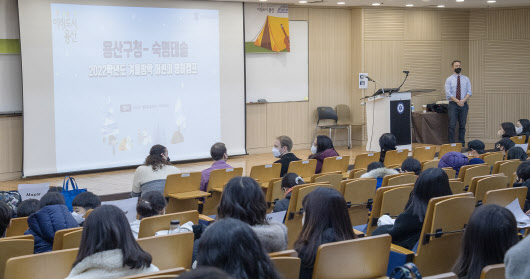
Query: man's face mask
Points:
[458, 70]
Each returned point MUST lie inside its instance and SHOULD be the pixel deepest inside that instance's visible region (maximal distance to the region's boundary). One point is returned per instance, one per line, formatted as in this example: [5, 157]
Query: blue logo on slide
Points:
[400, 108]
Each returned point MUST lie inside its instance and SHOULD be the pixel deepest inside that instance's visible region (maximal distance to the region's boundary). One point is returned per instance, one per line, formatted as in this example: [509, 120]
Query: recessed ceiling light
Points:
[376, 4]
[459, 0]
[491, 1]
[263, 0]
[441, 6]
[302, 2]
[341, 3]
[410, 5]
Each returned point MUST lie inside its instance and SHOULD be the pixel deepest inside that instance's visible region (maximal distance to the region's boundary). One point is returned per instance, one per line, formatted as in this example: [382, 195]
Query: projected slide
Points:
[126, 78]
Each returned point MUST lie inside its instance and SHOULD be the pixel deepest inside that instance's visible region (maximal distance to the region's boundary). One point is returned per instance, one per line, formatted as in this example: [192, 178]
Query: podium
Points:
[389, 113]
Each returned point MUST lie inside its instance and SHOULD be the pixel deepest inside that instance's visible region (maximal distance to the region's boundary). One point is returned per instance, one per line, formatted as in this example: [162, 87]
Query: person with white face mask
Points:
[322, 148]
[282, 149]
[523, 128]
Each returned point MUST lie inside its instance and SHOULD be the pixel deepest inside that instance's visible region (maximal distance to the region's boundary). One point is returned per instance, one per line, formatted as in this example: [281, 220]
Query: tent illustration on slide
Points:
[274, 35]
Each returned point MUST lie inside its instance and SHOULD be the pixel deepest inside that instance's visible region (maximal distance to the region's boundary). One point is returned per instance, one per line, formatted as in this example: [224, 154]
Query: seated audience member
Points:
[288, 182]
[205, 272]
[82, 203]
[504, 145]
[108, 249]
[491, 231]
[516, 153]
[411, 165]
[51, 217]
[507, 130]
[523, 180]
[28, 207]
[475, 148]
[322, 148]
[377, 170]
[151, 176]
[282, 149]
[5, 218]
[453, 160]
[219, 155]
[243, 199]
[516, 260]
[232, 246]
[387, 142]
[325, 220]
[150, 204]
[523, 127]
[406, 230]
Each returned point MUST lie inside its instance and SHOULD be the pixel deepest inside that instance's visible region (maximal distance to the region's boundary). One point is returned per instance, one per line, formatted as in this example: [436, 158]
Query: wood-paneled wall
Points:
[330, 83]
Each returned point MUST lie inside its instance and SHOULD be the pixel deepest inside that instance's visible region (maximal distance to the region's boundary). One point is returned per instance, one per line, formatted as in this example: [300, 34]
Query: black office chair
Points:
[328, 113]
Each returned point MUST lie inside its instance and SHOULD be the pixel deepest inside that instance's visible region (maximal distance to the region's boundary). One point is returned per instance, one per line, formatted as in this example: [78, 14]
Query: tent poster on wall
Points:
[266, 28]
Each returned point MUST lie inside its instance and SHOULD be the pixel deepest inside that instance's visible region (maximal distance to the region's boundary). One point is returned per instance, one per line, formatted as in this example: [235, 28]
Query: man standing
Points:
[457, 91]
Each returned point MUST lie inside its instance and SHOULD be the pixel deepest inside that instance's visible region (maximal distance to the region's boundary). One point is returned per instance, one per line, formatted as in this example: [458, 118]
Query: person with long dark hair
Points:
[523, 180]
[151, 176]
[322, 148]
[232, 246]
[507, 130]
[406, 230]
[243, 199]
[288, 182]
[523, 128]
[108, 248]
[504, 145]
[325, 220]
[387, 142]
[490, 232]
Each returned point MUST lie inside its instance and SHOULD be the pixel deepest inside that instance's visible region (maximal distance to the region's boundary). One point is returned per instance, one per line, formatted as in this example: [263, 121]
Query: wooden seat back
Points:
[344, 259]
[182, 183]
[50, 265]
[359, 195]
[356, 173]
[377, 208]
[450, 147]
[336, 163]
[14, 248]
[72, 239]
[58, 237]
[150, 225]
[492, 157]
[437, 250]
[424, 153]
[304, 168]
[474, 171]
[394, 200]
[18, 226]
[395, 157]
[480, 186]
[219, 178]
[287, 267]
[334, 178]
[448, 275]
[457, 186]
[27, 236]
[429, 164]
[388, 177]
[363, 160]
[519, 139]
[509, 168]
[451, 173]
[274, 190]
[504, 197]
[265, 173]
[495, 271]
[169, 251]
[407, 178]
[285, 253]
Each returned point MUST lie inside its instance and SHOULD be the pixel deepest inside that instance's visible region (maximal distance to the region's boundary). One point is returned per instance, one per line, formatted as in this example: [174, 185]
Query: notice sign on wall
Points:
[266, 28]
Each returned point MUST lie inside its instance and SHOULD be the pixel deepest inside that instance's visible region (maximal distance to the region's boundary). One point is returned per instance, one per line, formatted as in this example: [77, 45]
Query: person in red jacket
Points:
[322, 148]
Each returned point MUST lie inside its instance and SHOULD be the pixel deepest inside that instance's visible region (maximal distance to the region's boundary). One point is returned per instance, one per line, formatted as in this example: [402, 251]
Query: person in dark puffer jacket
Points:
[453, 160]
[52, 216]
